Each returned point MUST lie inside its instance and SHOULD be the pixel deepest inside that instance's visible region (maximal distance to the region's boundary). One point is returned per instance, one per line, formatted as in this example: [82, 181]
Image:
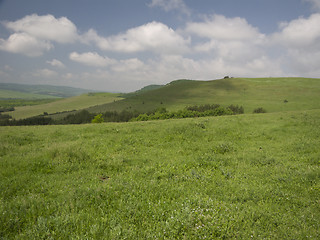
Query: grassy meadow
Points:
[232, 177]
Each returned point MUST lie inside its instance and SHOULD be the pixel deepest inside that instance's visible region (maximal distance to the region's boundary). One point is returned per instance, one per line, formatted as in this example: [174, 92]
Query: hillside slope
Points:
[273, 94]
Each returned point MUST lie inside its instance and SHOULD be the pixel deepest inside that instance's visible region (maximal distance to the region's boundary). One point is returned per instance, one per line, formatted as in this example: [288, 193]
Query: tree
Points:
[98, 119]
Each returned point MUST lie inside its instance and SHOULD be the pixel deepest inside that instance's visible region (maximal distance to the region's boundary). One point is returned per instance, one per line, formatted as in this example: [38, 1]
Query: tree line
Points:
[84, 116]
[191, 112]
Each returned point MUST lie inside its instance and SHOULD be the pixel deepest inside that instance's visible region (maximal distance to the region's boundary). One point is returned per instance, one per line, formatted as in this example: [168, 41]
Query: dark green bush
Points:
[236, 109]
[259, 110]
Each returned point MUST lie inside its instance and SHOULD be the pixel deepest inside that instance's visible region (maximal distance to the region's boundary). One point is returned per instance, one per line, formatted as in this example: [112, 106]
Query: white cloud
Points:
[154, 36]
[170, 5]
[46, 27]
[221, 28]
[33, 34]
[56, 63]
[299, 41]
[25, 44]
[300, 33]
[229, 39]
[91, 59]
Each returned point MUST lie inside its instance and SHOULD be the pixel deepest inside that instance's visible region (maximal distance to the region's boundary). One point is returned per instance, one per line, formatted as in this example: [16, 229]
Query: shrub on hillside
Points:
[203, 108]
[39, 120]
[259, 110]
[236, 109]
[80, 117]
[191, 112]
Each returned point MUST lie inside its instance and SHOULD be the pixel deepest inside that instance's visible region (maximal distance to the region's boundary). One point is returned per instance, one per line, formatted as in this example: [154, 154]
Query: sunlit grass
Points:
[232, 177]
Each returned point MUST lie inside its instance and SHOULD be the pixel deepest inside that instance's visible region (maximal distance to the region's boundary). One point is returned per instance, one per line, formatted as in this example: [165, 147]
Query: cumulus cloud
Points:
[154, 36]
[299, 40]
[46, 27]
[300, 33]
[170, 5]
[91, 59]
[56, 63]
[34, 34]
[25, 44]
[221, 28]
[231, 39]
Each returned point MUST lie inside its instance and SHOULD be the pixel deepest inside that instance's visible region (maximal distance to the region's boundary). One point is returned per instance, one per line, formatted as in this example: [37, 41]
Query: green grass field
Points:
[251, 93]
[66, 104]
[233, 177]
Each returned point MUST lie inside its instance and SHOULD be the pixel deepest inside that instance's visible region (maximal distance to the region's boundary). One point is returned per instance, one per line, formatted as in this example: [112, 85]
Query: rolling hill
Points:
[273, 94]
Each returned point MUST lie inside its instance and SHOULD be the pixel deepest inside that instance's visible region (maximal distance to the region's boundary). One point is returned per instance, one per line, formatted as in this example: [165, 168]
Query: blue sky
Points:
[123, 45]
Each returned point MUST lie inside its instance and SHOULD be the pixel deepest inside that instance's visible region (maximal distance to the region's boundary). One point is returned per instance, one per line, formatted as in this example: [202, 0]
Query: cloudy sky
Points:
[123, 45]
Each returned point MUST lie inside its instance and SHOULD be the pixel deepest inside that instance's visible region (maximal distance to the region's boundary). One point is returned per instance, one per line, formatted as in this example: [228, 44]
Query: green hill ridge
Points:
[273, 94]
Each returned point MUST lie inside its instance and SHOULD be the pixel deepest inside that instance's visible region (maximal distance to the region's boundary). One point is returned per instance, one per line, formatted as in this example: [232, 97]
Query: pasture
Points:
[231, 177]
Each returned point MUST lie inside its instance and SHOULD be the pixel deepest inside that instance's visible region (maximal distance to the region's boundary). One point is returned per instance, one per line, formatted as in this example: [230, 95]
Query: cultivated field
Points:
[65, 104]
[231, 177]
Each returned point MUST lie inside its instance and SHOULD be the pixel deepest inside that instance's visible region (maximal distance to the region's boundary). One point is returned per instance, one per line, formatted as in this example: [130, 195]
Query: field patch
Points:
[66, 104]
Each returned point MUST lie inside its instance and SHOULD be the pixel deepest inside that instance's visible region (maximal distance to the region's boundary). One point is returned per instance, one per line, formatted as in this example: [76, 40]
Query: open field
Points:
[66, 104]
[251, 93]
[232, 177]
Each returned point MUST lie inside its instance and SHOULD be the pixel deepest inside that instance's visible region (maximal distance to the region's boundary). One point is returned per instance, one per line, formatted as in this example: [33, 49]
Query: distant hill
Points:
[24, 91]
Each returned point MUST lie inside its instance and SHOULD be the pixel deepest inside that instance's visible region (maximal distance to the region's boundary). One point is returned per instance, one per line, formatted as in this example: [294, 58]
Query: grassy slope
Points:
[67, 104]
[269, 93]
[232, 177]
